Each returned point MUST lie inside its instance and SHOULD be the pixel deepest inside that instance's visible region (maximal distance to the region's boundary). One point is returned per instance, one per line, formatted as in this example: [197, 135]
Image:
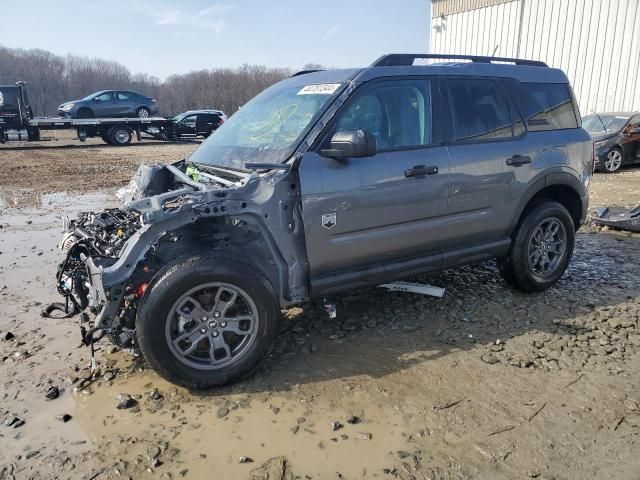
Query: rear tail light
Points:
[221, 121]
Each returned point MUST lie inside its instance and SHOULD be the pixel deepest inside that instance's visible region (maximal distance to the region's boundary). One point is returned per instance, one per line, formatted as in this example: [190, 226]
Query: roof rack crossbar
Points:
[407, 59]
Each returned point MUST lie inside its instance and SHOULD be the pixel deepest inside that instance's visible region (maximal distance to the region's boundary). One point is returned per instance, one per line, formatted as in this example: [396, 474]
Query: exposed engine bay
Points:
[113, 256]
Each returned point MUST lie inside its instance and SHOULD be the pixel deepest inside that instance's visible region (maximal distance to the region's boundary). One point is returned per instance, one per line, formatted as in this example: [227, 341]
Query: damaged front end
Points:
[171, 211]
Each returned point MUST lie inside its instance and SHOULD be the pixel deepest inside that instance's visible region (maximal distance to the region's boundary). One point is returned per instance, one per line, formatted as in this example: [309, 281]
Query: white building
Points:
[595, 42]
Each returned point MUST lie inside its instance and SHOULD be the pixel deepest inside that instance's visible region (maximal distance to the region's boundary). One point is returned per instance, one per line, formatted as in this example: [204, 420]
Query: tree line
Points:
[53, 79]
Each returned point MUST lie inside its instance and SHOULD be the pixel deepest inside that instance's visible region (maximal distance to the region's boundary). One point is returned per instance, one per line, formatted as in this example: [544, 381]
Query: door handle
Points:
[518, 160]
[419, 170]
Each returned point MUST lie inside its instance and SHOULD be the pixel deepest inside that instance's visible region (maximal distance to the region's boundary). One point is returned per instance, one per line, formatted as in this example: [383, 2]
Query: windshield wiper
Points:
[267, 166]
[603, 125]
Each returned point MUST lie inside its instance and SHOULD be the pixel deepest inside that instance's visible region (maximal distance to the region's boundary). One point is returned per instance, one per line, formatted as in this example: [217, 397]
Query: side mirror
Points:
[347, 144]
[96, 99]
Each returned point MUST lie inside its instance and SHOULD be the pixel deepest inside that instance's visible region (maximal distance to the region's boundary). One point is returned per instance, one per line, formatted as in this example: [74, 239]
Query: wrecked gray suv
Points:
[328, 181]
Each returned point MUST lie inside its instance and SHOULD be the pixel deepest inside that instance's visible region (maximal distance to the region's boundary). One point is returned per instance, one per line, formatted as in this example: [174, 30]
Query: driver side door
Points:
[187, 126]
[363, 215]
[104, 105]
[632, 143]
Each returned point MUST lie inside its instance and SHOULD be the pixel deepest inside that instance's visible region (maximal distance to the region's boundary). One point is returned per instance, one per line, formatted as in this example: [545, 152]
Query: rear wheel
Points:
[207, 321]
[613, 162]
[541, 249]
[143, 112]
[85, 113]
[120, 135]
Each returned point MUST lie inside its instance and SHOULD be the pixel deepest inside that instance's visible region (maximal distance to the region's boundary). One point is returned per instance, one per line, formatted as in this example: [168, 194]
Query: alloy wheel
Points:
[547, 246]
[613, 161]
[212, 326]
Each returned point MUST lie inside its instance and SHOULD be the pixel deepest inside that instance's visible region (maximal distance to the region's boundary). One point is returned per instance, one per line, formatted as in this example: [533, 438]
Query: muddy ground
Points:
[484, 383]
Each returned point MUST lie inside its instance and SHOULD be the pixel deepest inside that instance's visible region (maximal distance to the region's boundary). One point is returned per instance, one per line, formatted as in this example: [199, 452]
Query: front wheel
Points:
[85, 113]
[541, 248]
[207, 321]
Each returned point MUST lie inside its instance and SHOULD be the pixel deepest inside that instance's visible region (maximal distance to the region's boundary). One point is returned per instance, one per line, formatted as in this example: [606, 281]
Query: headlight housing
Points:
[67, 107]
[600, 144]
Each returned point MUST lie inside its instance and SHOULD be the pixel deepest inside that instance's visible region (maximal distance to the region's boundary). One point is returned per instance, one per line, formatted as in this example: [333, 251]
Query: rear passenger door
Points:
[126, 104]
[205, 124]
[490, 151]
[367, 211]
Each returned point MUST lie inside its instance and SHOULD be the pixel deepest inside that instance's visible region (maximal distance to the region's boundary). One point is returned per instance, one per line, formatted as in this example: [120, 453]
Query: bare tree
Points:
[53, 79]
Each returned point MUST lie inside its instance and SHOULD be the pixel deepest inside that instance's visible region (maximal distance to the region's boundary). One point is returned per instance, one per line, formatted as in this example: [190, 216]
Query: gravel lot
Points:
[485, 383]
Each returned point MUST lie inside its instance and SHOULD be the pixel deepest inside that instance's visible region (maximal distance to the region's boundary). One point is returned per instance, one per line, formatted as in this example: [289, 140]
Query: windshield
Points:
[268, 128]
[613, 123]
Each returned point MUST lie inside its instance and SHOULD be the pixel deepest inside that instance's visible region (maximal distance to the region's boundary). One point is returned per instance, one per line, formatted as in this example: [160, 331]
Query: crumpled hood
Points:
[156, 190]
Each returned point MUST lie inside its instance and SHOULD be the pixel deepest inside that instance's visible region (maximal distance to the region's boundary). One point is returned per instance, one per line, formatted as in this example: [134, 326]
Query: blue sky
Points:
[161, 37]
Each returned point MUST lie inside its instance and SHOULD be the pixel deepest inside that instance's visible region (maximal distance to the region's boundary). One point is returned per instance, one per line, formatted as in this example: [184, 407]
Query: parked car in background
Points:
[198, 123]
[616, 137]
[110, 103]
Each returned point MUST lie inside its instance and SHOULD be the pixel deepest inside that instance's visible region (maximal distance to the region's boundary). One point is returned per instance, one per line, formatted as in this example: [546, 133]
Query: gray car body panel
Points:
[386, 224]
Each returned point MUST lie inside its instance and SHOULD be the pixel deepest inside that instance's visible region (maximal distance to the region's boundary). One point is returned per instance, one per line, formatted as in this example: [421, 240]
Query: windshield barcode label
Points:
[321, 89]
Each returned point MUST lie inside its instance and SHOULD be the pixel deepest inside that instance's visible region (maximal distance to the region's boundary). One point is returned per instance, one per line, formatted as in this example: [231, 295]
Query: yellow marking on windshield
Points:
[280, 116]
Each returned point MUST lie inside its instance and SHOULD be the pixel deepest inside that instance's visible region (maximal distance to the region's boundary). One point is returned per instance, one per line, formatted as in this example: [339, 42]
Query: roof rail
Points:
[304, 72]
[407, 59]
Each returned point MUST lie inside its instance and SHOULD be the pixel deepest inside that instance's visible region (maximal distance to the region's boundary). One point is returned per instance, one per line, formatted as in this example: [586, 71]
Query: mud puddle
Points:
[198, 435]
[486, 382]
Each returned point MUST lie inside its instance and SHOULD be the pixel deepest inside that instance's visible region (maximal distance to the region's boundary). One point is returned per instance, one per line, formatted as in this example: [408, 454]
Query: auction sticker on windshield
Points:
[320, 89]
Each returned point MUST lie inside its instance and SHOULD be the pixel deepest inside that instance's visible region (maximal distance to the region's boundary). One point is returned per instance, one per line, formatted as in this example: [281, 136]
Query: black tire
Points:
[516, 267]
[85, 113]
[143, 112]
[182, 277]
[120, 135]
[106, 139]
[613, 161]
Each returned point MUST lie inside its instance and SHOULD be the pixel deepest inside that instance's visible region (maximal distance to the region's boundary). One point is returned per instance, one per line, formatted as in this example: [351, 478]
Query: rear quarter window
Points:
[548, 106]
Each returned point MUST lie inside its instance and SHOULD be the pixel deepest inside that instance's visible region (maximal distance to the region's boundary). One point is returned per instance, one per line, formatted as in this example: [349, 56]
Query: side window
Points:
[189, 121]
[479, 110]
[549, 107]
[124, 96]
[105, 97]
[204, 118]
[397, 113]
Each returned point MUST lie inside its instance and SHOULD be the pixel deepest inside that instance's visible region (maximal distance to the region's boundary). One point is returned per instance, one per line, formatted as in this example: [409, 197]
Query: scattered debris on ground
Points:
[485, 382]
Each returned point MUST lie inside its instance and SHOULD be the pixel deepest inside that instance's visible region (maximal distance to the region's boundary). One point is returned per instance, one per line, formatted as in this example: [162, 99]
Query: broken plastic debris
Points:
[622, 219]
